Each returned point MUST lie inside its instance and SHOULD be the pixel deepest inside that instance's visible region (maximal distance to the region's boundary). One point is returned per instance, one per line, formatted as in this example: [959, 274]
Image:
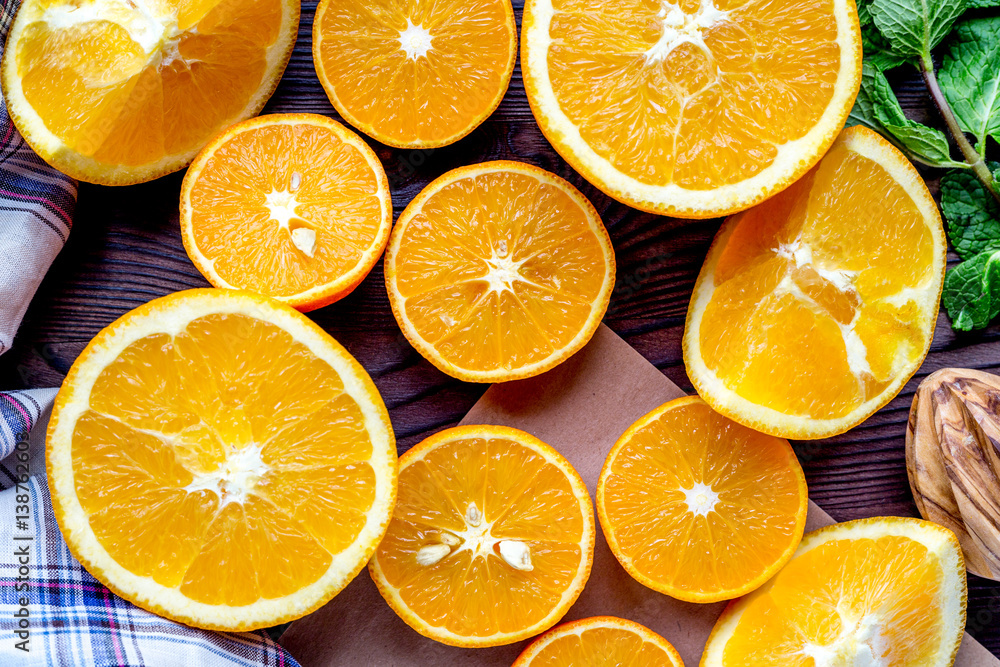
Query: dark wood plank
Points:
[125, 249]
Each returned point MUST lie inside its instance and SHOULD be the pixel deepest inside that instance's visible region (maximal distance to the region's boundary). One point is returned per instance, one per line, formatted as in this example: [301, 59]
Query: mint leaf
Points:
[970, 78]
[914, 27]
[983, 4]
[877, 100]
[925, 142]
[973, 215]
[863, 112]
[972, 291]
[877, 49]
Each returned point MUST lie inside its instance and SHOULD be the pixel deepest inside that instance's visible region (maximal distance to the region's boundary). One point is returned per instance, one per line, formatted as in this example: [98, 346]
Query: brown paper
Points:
[580, 408]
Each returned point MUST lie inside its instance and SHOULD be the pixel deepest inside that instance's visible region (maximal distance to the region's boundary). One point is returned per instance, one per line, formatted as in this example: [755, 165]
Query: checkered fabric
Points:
[52, 612]
[36, 210]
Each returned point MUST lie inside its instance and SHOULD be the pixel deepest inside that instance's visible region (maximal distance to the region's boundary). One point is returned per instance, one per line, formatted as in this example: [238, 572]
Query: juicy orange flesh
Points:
[748, 529]
[844, 598]
[826, 279]
[687, 94]
[473, 592]
[602, 647]
[548, 267]
[427, 97]
[306, 170]
[104, 95]
[171, 412]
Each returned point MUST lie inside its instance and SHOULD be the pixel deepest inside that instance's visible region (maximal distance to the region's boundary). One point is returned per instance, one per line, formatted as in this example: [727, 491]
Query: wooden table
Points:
[125, 249]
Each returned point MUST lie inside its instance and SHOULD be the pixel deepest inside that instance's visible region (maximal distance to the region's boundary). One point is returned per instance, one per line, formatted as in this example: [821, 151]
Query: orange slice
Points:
[491, 540]
[201, 439]
[123, 91]
[293, 206]
[600, 641]
[499, 271]
[697, 108]
[415, 73]
[700, 508]
[813, 309]
[884, 591]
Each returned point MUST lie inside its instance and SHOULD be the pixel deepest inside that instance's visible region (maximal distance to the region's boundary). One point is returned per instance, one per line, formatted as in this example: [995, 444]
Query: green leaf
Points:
[864, 12]
[972, 291]
[973, 214]
[925, 142]
[914, 27]
[876, 102]
[983, 4]
[863, 112]
[970, 77]
[877, 50]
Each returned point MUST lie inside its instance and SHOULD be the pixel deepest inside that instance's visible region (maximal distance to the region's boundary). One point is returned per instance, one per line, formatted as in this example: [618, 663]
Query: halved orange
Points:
[415, 73]
[499, 271]
[491, 540]
[695, 108]
[700, 508]
[122, 91]
[292, 206]
[813, 309]
[600, 641]
[883, 591]
[218, 459]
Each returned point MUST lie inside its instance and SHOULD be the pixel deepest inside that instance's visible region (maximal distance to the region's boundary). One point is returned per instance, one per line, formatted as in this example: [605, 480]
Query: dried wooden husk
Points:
[953, 460]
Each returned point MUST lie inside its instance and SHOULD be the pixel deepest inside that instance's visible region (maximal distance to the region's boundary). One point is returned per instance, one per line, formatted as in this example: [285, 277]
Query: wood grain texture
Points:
[125, 249]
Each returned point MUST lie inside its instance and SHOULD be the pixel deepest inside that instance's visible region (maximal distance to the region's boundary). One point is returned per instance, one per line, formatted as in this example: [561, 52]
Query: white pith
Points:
[154, 28]
[792, 157]
[701, 499]
[925, 295]
[235, 477]
[860, 639]
[680, 28]
[172, 318]
[415, 41]
[281, 205]
[476, 538]
[503, 271]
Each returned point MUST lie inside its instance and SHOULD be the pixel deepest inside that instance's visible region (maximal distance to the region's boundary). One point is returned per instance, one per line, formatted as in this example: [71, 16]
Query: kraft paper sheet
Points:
[580, 408]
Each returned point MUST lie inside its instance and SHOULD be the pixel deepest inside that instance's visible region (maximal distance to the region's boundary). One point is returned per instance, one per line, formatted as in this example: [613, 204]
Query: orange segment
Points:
[886, 591]
[600, 641]
[491, 540]
[499, 271]
[293, 206]
[199, 440]
[416, 73]
[698, 507]
[670, 107]
[813, 309]
[118, 92]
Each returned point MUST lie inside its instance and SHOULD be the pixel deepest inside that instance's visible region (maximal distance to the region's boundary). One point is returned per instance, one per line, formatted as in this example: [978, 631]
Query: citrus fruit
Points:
[119, 92]
[293, 206]
[813, 309]
[202, 439]
[600, 641]
[415, 73]
[491, 540]
[695, 108]
[698, 507]
[883, 591]
[499, 271]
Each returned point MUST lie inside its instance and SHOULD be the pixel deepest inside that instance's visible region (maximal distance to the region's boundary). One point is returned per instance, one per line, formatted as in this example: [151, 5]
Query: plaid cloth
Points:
[53, 608]
[36, 210]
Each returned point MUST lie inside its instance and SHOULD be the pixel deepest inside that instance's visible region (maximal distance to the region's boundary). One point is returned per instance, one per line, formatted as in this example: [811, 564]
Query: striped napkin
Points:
[52, 612]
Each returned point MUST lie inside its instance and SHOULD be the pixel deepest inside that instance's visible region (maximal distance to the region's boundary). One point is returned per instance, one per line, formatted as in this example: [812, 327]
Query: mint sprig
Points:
[966, 92]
